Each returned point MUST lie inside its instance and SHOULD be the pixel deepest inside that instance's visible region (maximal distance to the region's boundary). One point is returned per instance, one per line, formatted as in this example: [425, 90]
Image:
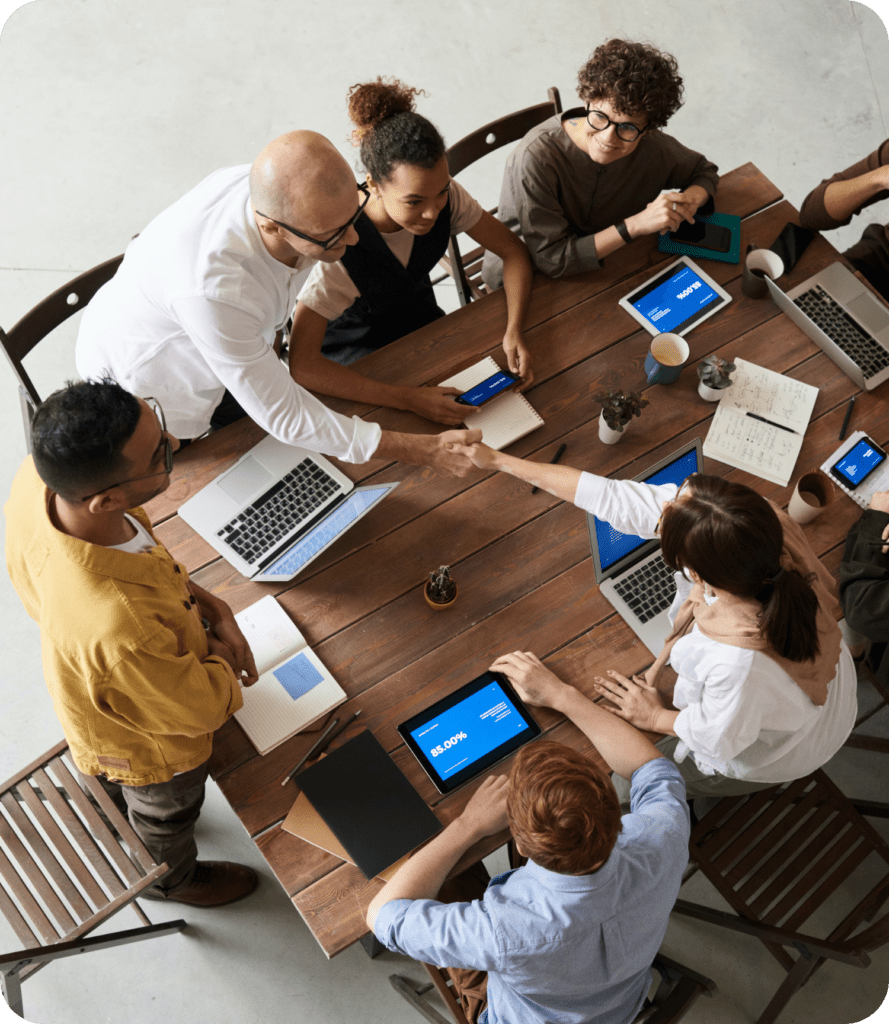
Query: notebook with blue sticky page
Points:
[294, 688]
[724, 220]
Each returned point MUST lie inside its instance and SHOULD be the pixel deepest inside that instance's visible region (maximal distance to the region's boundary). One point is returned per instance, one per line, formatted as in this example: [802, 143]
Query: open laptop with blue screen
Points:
[278, 508]
[630, 572]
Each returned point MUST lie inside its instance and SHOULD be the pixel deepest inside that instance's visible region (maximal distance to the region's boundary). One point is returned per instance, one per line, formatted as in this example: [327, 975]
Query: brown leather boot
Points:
[213, 884]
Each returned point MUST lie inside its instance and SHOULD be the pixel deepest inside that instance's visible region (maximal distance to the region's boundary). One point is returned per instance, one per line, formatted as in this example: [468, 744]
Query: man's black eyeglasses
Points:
[598, 121]
[337, 235]
[155, 407]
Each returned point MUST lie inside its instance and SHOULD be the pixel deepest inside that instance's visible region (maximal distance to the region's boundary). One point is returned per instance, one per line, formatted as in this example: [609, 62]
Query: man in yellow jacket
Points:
[141, 663]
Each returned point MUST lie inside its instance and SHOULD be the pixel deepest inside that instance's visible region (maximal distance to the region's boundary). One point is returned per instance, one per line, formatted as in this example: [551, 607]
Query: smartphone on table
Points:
[488, 388]
[858, 463]
[703, 234]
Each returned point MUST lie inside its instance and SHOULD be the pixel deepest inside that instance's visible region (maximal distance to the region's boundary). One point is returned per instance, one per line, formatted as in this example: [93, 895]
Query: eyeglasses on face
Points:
[599, 121]
[155, 407]
[337, 235]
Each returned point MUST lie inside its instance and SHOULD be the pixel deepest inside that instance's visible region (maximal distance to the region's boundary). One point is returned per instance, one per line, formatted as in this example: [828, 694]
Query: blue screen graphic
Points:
[613, 544]
[325, 532]
[675, 301]
[487, 389]
[469, 730]
[857, 463]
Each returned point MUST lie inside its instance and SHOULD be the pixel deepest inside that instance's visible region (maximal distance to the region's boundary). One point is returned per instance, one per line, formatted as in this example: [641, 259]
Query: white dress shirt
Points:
[740, 714]
[194, 309]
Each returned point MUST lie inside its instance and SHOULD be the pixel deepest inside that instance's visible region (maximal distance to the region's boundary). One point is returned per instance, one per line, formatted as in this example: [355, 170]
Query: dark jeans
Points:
[164, 816]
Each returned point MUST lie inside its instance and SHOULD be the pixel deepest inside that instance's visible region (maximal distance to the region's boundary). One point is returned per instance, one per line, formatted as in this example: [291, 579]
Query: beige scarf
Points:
[734, 620]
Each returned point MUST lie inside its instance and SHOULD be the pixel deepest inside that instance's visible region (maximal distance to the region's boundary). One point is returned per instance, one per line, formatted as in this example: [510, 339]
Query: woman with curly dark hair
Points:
[586, 182]
[379, 289]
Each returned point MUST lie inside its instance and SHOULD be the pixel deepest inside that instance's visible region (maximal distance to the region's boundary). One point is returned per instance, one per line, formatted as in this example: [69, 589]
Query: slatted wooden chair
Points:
[678, 990]
[42, 320]
[64, 870]
[466, 270]
[779, 855]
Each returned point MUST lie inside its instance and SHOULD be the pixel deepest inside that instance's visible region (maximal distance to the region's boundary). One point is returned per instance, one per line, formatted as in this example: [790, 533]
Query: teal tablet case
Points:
[726, 220]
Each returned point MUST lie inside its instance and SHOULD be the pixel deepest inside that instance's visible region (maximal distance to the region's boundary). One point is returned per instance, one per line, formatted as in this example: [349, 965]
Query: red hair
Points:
[563, 811]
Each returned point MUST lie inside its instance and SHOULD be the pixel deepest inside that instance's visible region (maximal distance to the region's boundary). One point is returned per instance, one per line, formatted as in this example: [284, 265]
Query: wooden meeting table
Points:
[522, 560]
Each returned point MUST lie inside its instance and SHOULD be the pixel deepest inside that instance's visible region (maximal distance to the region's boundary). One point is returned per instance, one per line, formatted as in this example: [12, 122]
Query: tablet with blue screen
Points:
[678, 298]
[465, 733]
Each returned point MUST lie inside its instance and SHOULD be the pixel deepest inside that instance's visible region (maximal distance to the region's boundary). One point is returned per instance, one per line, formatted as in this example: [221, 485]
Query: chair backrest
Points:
[64, 870]
[501, 132]
[44, 318]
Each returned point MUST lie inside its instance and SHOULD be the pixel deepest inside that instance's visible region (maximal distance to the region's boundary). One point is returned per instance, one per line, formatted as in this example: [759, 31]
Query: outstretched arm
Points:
[448, 452]
[624, 748]
[517, 274]
[312, 369]
[424, 874]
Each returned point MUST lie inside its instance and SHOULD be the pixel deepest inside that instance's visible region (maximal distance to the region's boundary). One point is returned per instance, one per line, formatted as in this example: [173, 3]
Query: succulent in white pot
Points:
[714, 376]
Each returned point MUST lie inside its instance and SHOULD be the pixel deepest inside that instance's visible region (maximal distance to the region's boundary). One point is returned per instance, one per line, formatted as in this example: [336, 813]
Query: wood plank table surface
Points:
[522, 561]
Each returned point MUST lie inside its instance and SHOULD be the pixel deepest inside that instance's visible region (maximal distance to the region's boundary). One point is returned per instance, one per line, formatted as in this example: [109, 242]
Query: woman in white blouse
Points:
[766, 687]
[379, 289]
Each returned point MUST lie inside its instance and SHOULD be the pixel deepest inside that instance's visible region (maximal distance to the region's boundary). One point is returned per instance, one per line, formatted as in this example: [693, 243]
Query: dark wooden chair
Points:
[777, 856]
[69, 861]
[44, 318]
[677, 992]
[466, 270]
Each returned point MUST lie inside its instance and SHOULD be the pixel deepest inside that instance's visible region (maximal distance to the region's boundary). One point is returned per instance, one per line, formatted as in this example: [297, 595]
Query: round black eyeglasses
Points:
[598, 121]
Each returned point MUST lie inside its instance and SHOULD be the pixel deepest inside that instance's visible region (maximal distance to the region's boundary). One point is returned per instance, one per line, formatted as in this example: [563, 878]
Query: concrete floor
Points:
[111, 109]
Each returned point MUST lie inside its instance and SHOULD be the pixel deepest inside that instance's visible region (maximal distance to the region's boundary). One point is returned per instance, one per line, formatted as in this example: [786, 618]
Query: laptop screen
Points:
[614, 545]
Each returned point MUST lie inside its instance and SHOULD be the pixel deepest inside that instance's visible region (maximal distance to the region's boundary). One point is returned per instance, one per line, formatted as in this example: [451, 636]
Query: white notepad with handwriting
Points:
[294, 689]
[766, 443]
[505, 418]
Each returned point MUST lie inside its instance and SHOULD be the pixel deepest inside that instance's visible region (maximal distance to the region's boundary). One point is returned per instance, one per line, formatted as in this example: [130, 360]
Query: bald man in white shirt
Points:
[204, 291]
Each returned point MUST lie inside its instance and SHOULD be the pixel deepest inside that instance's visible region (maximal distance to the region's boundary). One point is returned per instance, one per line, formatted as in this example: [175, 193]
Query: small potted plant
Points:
[440, 590]
[618, 408]
[713, 374]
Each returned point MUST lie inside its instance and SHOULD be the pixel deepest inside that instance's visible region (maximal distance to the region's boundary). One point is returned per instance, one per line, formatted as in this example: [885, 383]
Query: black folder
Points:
[368, 804]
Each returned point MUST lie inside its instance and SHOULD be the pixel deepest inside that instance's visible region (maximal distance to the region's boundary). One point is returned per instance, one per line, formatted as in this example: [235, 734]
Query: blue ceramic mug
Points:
[665, 359]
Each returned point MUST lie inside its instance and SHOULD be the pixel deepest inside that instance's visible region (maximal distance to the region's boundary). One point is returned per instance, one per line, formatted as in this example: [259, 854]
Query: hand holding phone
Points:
[488, 388]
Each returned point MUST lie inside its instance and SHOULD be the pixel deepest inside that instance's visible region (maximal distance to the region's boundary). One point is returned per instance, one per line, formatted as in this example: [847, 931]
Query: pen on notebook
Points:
[559, 453]
[762, 419]
[846, 417]
[315, 746]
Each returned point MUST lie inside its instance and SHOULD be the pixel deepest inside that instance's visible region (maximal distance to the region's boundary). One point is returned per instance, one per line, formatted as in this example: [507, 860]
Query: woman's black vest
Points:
[393, 300]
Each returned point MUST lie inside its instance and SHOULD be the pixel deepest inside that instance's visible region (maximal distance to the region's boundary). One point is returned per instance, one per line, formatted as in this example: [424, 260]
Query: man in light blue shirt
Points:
[569, 938]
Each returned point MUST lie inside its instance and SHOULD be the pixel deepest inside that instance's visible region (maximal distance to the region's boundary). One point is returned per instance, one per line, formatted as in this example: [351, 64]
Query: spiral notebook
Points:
[862, 494]
[505, 418]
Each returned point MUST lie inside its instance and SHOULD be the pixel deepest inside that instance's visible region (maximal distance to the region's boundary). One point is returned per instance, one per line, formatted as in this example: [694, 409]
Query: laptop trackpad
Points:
[869, 312]
[245, 480]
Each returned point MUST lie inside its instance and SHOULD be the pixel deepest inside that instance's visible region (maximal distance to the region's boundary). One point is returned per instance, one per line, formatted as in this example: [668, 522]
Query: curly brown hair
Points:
[390, 130]
[562, 810]
[635, 78]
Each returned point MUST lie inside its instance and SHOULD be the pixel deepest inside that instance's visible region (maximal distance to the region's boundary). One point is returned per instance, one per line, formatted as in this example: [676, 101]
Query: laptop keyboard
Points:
[261, 526]
[648, 590]
[836, 323]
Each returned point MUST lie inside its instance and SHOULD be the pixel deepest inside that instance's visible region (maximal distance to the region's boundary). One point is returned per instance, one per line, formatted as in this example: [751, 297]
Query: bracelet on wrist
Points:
[622, 229]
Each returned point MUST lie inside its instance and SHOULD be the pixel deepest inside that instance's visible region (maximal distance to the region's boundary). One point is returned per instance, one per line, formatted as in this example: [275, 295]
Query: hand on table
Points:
[518, 358]
[437, 404]
[663, 214]
[638, 702]
[227, 633]
[485, 814]
[533, 681]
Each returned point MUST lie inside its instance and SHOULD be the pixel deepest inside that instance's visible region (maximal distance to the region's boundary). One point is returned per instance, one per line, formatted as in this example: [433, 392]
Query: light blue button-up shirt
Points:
[565, 949]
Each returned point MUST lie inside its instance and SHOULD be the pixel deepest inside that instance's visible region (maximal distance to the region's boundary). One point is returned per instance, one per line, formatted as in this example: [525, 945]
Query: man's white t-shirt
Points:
[194, 309]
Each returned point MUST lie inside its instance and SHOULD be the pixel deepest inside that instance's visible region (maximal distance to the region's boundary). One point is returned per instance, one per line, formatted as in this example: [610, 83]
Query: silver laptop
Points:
[277, 509]
[630, 571]
[844, 319]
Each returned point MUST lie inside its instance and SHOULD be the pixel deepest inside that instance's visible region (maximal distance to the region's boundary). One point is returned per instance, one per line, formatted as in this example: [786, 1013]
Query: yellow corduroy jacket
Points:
[125, 654]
